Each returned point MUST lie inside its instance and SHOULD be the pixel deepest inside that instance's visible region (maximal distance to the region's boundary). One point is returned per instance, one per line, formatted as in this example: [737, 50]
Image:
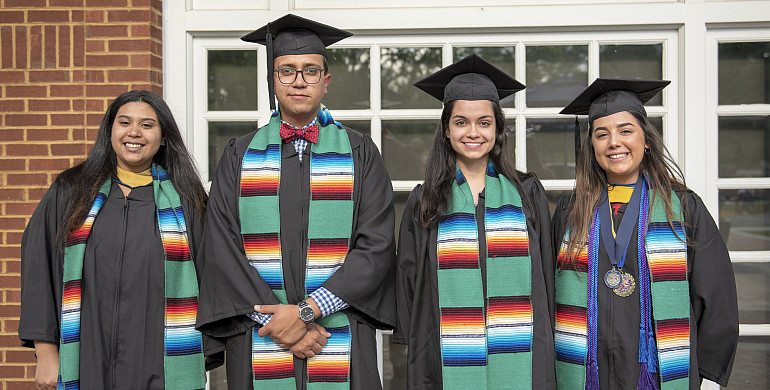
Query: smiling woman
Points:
[474, 253]
[108, 274]
[136, 136]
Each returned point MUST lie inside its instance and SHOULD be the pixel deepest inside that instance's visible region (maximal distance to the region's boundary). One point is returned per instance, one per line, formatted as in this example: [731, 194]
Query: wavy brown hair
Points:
[441, 165]
[84, 179]
[659, 168]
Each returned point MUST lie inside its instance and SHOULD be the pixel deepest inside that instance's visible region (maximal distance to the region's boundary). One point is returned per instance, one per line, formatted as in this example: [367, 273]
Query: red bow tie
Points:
[290, 133]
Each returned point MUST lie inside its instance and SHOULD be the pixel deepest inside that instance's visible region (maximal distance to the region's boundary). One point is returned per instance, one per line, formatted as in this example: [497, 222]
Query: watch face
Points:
[306, 313]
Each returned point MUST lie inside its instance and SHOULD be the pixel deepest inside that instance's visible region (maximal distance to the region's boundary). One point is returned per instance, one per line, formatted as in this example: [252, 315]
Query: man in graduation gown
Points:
[244, 268]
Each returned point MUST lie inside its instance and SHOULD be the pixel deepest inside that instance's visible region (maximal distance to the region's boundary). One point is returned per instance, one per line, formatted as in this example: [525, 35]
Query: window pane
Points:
[553, 197]
[510, 138]
[753, 282]
[744, 219]
[744, 146]
[405, 146]
[232, 78]
[401, 67]
[632, 62]
[501, 57]
[744, 73]
[218, 378]
[220, 133]
[359, 126]
[394, 364]
[751, 369]
[555, 74]
[658, 123]
[551, 147]
[349, 88]
[399, 201]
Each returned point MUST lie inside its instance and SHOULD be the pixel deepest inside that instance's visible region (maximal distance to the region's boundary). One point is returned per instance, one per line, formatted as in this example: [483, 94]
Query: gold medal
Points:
[627, 285]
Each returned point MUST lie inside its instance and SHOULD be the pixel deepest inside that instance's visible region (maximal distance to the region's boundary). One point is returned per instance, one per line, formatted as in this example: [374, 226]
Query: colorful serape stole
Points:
[183, 345]
[330, 225]
[665, 251]
[489, 343]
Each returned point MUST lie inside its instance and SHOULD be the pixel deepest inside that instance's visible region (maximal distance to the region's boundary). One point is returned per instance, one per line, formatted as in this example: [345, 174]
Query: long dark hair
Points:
[662, 173]
[441, 164]
[84, 179]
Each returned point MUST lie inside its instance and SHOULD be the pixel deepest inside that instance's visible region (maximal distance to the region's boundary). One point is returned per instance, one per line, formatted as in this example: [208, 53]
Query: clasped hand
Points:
[289, 331]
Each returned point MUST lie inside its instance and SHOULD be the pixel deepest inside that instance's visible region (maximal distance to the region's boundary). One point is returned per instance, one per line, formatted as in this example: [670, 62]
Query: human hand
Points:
[312, 343]
[285, 328]
[47, 370]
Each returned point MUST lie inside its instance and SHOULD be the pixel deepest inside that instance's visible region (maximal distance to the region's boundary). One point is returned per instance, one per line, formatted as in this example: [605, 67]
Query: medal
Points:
[613, 278]
[617, 244]
[627, 285]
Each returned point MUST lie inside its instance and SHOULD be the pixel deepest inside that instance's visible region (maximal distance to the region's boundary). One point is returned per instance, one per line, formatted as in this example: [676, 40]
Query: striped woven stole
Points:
[665, 252]
[183, 362]
[488, 344]
[330, 222]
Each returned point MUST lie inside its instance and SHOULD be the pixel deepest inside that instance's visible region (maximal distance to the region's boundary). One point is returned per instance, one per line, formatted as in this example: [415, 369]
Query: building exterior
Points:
[62, 60]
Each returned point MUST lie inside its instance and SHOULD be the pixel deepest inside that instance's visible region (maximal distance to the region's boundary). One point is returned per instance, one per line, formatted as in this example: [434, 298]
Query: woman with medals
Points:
[475, 263]
[645, 294]
[109, 288]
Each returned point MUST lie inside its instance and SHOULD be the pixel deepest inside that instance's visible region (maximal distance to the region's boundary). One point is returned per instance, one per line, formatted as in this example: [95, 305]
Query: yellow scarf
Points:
[134, 179]
[618, 194]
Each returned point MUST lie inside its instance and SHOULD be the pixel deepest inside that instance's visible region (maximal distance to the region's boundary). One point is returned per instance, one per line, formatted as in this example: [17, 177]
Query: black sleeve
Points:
[712, 293]
[230, 286]
[542, 215]
[366, 280]
[41, 271]
[409, 250]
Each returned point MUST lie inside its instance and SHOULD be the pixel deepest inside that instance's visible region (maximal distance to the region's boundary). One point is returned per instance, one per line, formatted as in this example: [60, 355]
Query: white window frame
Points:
[204, 42]
[713, 112]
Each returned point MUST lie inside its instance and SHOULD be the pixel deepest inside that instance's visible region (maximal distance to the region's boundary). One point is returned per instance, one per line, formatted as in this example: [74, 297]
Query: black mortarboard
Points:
[609, 96]
[470, 78]
[291, 35]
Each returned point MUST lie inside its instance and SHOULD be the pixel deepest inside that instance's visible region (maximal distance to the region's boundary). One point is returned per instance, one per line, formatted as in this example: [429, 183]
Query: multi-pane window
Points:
[742, 122]
[371, 91]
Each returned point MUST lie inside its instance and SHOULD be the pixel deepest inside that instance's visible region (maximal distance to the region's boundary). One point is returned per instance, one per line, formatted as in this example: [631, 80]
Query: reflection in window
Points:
[405, 145]
[232, 80]
[393, 363]
[220, 133]
[553, 197]
[753, 282]
[551, 147]
[349, 88]
[744, 219]
[501, 57]
[555, 74]
[359, 126]
[751, 369]
[632, 62]
[510, 139]
[744, 146]
[744, 73]
[401, 67]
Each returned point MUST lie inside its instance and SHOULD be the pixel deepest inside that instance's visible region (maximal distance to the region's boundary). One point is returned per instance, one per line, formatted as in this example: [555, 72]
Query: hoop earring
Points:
[647, 151]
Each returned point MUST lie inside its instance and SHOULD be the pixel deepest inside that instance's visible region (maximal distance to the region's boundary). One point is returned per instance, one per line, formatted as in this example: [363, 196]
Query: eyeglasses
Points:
[289, 75]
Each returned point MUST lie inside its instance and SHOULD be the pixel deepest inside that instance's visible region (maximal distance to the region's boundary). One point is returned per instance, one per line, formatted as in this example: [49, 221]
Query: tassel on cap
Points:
[270, 68]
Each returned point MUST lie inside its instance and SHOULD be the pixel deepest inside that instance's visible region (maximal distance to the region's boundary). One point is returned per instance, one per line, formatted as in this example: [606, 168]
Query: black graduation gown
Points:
[230, 287]
[417, 291]
[713, 304]
[122, 317]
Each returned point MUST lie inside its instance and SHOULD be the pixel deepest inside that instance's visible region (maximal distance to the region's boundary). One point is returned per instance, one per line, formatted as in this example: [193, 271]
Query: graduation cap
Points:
[471, 78]
[609, 96]
[292, 35]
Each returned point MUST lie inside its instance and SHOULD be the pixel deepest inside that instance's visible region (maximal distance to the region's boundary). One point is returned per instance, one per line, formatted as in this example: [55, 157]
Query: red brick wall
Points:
[61, 63]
